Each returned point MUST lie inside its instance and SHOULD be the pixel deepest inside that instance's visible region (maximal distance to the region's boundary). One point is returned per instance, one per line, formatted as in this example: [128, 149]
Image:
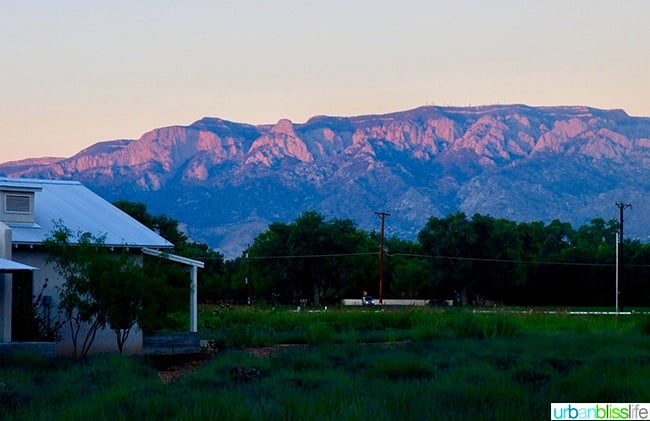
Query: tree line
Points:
[473, 260]
[470, 260]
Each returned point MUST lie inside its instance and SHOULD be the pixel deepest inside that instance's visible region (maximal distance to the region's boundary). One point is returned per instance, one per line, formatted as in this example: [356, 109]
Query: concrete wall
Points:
[170, 343]
[44, 349]
[105, 340]
[387, 302]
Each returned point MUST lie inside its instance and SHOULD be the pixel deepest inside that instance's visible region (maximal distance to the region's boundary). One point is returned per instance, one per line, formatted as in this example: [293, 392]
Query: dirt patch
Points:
[172, 367]
[175, 366]
[270, 351]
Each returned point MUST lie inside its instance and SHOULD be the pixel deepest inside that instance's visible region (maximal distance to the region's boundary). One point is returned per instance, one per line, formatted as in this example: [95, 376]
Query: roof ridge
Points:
[38, 181]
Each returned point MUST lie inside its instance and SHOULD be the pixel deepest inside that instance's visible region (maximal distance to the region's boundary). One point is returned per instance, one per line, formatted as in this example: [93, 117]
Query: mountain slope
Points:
[226, 181]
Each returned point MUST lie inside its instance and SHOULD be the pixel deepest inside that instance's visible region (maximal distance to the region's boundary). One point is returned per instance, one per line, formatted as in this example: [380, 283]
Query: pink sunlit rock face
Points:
[226, 181]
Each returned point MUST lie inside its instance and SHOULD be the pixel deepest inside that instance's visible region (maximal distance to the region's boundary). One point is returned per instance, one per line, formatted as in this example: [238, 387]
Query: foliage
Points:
[166, 226]
[494, 377]
[473, 260]
[48, 328]
[212, 278]
[99, 289]
[36, 320]
[465, 252]
[311, 259]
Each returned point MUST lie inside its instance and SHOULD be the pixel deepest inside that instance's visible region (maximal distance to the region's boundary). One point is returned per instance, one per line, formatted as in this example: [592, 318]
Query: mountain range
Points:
[226, 181]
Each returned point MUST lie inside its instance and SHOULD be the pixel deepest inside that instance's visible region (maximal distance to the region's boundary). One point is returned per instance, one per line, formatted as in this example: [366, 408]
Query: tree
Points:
[121, 287]
[164, 225]
[211, 280]
[406, 273]
[475, 257]
[310, 258]
[99, 288]
[449, 241]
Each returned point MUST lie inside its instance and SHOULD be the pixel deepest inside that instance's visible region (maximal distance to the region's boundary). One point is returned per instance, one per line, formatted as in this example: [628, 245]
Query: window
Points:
[18, 203]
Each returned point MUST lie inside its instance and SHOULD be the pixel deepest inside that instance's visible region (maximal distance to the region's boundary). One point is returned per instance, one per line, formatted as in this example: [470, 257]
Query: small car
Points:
[367, 301]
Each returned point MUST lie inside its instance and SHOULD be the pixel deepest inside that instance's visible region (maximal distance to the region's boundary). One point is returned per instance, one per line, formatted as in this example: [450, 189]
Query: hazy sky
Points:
[75, 72]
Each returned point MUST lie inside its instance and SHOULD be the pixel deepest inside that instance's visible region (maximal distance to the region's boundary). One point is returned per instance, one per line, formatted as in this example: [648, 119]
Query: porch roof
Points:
[7, 265]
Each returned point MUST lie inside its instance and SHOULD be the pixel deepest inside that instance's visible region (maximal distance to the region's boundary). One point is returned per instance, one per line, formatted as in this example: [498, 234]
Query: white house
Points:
[29, 209]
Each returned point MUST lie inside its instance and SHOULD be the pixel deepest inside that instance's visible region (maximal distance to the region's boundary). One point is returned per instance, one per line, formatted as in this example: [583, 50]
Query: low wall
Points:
[172, 343]
[44, 349]
[387, 302]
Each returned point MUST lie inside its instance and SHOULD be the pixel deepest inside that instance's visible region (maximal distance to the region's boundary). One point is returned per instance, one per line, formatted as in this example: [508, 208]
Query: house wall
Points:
[105, 340]
[5, 286]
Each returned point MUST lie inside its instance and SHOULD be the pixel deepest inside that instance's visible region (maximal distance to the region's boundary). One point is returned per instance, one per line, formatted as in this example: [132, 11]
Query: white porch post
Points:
[193, 300]
[194, 265]
[5, 286]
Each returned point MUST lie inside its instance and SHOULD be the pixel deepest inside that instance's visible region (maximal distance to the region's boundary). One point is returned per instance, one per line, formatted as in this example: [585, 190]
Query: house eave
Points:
[173, 257]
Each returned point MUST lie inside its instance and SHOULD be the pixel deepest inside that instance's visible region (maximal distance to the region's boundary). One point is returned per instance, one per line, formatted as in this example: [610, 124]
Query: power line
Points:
[441, 257]
[486, 259]
[308, 256]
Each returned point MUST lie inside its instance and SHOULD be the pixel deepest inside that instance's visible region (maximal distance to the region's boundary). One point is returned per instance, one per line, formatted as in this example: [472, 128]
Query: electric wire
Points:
[442, 257]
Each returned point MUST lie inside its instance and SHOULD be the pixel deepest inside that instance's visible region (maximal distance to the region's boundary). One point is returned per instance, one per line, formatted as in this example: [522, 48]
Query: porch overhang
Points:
[7, 265]
[194, 265]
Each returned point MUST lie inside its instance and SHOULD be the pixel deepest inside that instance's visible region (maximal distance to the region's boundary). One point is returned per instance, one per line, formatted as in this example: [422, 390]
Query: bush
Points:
[481, 326]
[401, 365]
[644, 325]
[320, 332]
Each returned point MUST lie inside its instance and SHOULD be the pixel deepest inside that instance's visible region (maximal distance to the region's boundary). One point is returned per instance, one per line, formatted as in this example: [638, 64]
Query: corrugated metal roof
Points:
[7, 265]
[80, 210]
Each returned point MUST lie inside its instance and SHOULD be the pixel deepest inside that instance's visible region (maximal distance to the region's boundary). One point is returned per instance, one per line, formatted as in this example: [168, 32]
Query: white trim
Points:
[11, 265]
[173, 257]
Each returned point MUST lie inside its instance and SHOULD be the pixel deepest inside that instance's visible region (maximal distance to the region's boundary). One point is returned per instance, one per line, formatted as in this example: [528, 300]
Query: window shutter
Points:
[18, 203]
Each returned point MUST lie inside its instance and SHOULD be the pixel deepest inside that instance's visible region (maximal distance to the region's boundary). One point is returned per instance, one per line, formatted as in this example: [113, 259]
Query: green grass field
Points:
[353, 364]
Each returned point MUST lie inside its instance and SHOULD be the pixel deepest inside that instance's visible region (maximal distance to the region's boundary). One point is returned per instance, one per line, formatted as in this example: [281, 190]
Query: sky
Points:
[76, 72]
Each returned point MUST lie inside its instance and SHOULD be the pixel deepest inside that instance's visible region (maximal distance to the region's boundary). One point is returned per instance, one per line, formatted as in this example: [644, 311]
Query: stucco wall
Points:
[105, 340]
[5, 286]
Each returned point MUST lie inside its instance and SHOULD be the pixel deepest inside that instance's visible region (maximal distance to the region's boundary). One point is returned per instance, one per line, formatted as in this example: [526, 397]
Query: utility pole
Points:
[616, 277]
[620, 269]
[248, 276]
[383, 216]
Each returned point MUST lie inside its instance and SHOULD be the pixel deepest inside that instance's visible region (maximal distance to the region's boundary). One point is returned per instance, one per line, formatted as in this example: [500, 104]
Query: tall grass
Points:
[253, 326]
[426, 364]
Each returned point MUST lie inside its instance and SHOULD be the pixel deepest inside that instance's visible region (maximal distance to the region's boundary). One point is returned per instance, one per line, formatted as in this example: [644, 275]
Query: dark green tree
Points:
[164, 225]
[474, 258]
[99, 287]
[310, 258]
[407, 272]
[212, 279]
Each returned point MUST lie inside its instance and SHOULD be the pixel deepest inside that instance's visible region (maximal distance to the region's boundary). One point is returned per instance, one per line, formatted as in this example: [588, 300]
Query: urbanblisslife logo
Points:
[600, 411]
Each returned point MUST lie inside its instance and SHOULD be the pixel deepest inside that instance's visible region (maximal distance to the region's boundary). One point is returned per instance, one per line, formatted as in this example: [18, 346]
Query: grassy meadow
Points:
[352, 364]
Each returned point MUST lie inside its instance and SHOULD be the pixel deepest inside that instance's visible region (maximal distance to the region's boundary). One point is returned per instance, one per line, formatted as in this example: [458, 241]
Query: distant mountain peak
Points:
[226, 181]
[285, 127]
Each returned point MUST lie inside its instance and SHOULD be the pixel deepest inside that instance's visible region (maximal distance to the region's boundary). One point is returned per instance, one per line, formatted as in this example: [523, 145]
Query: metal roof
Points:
[80, 210]
[7, 265]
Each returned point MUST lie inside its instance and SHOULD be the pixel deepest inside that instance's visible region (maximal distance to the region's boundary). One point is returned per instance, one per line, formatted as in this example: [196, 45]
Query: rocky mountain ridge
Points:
[226, 181]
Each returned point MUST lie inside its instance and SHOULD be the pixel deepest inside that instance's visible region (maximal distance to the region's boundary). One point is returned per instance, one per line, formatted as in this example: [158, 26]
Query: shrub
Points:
[644, 325]
[466, 325]
[480, 326]
[402, 365]
[320, 332]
